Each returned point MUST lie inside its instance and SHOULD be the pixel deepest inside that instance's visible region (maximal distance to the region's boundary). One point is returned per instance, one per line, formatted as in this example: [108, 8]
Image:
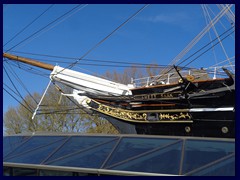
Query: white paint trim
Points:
[211, 109]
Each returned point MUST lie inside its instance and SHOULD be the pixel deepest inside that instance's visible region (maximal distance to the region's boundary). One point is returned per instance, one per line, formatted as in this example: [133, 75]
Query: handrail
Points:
[170, 77]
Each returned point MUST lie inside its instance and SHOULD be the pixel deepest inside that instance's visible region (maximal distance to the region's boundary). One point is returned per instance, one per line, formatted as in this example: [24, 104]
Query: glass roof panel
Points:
[200, 156]
[35, 142]
[224, 168]
[92, 158]
[11, 142]
[201, 152]
[133, 146]
[164, 160]
[35, 156]
[78, 143]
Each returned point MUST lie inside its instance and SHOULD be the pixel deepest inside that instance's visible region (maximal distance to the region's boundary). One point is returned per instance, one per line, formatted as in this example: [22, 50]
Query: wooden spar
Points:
[29, 61]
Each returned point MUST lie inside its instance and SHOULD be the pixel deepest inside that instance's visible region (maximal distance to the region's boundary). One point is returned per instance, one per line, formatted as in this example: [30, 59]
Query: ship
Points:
[179, 101]
[175, 103]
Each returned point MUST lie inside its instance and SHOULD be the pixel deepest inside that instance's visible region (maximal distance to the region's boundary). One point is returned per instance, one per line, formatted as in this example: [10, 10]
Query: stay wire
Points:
[44, 27]
[171, 68]
[105, 38]
[28, 69]
[56, 111]
[17, 100]
[10, 89]
[22, 84]
[206, 45]
[28, 25]
[90, 60]
[209, 49]
[54, 25]
[15, 87]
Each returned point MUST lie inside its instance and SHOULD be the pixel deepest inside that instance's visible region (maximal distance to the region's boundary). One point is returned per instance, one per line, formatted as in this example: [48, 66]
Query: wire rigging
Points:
[154, 66]
[16, 87]
[215, 31]
[28, 25]
[209, 48]
[53, 25]
[114, 62]
[105, 38]
[44, 27]
[27, 68]
[22, 84]
[209, 34]
[207, 7]
[209, 44]
[170, 69]
[10, 89]
[199, 36]
[84, 59]
[17, 100]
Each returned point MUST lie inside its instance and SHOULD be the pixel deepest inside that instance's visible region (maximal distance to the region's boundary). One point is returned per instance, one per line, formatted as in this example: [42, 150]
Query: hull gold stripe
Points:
[141, 116]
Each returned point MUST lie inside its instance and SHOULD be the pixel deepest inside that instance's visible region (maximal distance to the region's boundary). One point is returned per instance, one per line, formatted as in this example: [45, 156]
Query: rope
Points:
[199, 36]
[105, 38]
[41, 100]
[44, 27]
[28, 25]
[16, 87]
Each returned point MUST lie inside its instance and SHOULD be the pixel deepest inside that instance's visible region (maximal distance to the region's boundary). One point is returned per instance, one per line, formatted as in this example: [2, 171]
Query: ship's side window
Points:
[153, 116]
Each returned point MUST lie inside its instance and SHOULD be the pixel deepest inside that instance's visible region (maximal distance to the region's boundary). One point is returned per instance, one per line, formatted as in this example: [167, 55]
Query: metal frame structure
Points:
[116, 141]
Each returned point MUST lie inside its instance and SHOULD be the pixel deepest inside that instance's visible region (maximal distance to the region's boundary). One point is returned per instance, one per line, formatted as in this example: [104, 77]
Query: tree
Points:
[65, 115]
[53, 116]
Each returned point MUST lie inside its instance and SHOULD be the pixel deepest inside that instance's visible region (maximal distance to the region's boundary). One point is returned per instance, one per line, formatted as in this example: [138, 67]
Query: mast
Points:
[80, 81]
[29, 61]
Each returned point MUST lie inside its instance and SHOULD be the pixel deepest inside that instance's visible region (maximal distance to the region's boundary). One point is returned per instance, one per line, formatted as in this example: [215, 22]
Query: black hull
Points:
[198, 128]
[205, 117]
[223, 129]
[201, 108]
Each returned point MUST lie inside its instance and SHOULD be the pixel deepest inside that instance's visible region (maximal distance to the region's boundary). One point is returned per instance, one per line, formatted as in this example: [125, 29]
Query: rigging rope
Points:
[28, 25]
[230, 15]
[215, 31]
[44, 27]
[208, 7]
[199, 36]
[54, 25]
[208, 49]
[21, 83]
[84, 59]
[16, 88]
[210, 37]
[17, 100]
[105, 38]
[208, 44]
[222, 62]
[28, 68]
[170, 69]
[41, 100]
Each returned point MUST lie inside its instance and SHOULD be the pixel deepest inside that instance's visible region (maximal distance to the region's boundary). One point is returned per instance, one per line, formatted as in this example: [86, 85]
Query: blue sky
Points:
[156, 35]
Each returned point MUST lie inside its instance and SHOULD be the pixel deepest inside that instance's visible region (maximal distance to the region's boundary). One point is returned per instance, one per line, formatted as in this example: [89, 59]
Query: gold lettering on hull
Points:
[154, 96]
[176, 116]
[144, 117]
[122, 114]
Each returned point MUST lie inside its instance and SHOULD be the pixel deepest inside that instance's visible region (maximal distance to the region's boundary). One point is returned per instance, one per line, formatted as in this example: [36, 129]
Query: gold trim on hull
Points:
[152, 116]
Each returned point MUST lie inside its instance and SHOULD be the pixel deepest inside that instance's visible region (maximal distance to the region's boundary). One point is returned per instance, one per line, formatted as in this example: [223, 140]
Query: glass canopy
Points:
[113, 154]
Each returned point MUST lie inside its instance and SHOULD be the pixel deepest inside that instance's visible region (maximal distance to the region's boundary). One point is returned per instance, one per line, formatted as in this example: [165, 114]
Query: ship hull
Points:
[200, 128]
[207, 121]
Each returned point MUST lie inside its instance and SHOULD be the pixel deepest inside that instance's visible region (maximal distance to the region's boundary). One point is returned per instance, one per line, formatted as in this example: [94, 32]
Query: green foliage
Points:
[65, 115]
[53, 116]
